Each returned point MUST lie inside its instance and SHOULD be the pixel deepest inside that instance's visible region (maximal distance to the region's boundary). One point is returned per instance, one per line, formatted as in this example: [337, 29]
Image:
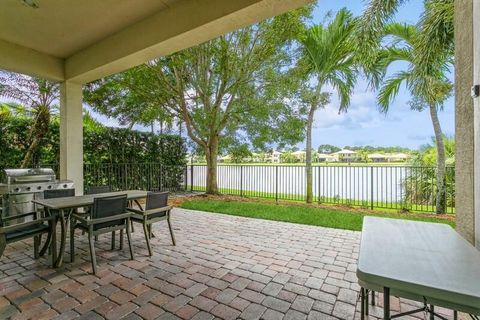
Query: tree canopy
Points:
[231, 90]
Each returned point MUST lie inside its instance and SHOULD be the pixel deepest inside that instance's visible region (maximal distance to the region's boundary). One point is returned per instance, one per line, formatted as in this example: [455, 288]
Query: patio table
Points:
[426, 262]
[64, 206]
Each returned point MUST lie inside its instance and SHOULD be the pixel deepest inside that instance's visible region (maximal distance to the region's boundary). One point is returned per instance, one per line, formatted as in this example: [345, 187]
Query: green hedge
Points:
[101, 145]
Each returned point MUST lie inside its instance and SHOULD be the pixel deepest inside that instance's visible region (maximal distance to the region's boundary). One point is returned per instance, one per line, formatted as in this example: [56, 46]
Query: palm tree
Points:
[326, 59]
[429, 87]
[436, 25]
[39, 96]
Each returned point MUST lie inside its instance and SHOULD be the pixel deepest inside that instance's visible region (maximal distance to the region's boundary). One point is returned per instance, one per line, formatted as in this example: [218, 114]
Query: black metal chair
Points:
[156, 209]
[108, 214]
[14, 228]
[99, 189]
[53, 194]
[58, 193]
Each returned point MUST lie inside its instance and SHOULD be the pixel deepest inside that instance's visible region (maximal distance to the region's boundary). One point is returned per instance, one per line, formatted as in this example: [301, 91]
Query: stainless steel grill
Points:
[19, 187]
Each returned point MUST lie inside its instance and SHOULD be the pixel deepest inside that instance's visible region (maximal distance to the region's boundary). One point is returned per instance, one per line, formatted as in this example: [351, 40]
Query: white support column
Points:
[464, 121]
[71, 134]
[476, 107]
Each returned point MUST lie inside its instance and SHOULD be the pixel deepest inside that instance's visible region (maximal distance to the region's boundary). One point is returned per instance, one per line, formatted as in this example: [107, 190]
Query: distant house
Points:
[378, 157]
[323, 157]
[398, 157]
[346, 156]
[300, 155]
[274, 157]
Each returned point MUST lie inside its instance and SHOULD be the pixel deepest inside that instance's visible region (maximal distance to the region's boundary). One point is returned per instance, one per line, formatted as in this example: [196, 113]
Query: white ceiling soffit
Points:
[89, 39]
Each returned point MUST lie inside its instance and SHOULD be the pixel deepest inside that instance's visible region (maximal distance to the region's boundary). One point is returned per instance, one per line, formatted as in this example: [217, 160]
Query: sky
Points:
[363, 124]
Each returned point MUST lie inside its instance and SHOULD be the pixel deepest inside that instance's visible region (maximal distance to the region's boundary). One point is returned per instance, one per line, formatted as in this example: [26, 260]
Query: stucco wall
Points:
[464, 115]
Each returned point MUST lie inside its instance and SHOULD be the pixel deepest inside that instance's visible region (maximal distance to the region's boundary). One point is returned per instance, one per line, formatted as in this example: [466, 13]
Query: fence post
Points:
[191, 178]
[371, 187]
[276, 183]
[241, 181]
[126, 177]
[186, 177]
[319, 184]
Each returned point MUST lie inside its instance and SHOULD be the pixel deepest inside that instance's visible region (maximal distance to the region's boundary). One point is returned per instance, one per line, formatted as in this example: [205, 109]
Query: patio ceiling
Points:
[85, 40]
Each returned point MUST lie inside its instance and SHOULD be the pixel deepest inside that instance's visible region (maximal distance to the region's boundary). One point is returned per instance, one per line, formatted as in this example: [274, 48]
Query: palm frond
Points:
[436, 38]
[327, 54]
[389, 91]
[376, 14]
[401, 32]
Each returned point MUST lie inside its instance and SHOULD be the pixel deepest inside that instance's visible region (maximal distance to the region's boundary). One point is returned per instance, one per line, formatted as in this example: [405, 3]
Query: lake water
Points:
[355, 184]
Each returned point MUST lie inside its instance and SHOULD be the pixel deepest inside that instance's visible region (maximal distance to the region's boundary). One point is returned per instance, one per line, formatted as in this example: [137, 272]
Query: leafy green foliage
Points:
[326, 57]
[228, 91]
[372, 149]
[240, 153]
[428, 153]
[328, 148]
[36, 95]
[101, 145]
[428, 84]
[421, 186]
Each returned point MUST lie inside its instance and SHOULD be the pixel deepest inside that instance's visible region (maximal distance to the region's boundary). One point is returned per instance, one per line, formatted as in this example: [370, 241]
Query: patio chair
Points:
[53, 194]
[99, 189]
[14, 228]
[107, 189]
[58, 193]
[156, 209]
[108, 214]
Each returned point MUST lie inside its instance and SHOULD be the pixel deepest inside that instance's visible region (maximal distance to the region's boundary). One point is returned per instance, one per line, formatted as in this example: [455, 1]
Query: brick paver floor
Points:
[223, 267]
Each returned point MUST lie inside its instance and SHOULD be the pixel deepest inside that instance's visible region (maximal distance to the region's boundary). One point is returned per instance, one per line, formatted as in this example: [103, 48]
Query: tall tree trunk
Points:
[27, 160]
[211, 153]
[308, 160]
[180, 127]
[37, 133]
[441, 188]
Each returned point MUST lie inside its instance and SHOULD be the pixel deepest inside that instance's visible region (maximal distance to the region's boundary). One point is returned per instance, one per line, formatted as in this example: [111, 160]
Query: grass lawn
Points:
[300, 198]
[325, 217]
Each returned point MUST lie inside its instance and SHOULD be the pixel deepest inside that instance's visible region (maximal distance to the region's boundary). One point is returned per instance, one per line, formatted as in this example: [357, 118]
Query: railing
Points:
[129, 176]
[408, 188]
[143, 176]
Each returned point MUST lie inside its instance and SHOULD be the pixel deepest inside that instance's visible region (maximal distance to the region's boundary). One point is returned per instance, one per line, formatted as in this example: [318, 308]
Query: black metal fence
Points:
[130, 176]
[143, 176]
[409, 188]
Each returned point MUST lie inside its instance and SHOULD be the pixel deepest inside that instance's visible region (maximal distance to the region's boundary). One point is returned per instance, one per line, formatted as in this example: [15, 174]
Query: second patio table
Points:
[64, 206]
[426, 262]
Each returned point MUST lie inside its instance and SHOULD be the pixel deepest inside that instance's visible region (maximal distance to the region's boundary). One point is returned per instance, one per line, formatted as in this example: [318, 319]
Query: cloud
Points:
[362, 112]
[417, 137]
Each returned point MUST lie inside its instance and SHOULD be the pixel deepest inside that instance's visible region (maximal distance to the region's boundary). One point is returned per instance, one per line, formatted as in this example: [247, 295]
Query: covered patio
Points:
[222, 267]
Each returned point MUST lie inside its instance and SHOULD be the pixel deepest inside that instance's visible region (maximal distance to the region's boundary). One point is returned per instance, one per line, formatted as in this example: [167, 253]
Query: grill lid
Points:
[18, 176]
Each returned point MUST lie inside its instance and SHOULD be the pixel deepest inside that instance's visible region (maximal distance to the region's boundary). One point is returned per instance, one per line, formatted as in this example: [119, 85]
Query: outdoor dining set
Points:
[99, 211]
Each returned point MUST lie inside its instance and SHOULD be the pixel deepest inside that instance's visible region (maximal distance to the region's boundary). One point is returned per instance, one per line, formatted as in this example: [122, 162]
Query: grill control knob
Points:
[16, 189]
[39, 188]
[28, 188]
[49, 187]
[65, 185]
